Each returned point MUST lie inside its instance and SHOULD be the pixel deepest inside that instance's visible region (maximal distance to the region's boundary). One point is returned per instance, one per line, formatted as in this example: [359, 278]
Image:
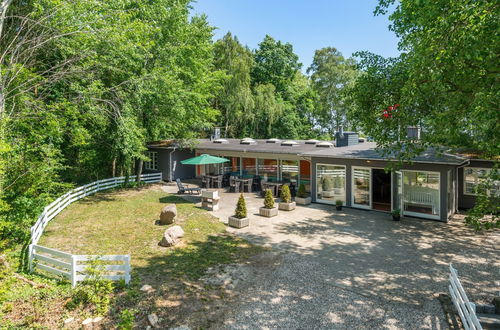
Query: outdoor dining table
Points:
[211, 180]
[242, 183]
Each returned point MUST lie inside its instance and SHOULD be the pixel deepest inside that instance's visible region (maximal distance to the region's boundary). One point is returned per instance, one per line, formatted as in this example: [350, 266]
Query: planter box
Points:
[210, 194]
[287, 206]
[268, 212]
[238, 223]
[303, 200]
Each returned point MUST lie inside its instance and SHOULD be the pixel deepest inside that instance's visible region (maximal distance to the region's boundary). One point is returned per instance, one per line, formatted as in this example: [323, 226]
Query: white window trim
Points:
[152, 164]
[325, 201]
[360, 206]
[463, 179]
[424, 215]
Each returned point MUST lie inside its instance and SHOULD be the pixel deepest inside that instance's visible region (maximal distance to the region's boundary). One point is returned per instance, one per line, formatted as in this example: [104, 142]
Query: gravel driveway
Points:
[356, 269]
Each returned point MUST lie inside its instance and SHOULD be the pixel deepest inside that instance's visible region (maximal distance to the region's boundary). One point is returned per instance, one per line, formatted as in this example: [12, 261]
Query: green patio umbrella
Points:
[203, 160]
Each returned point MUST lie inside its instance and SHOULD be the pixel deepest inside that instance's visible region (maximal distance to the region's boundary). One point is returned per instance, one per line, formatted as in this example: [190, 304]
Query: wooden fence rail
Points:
[73, 267]
[466, 309]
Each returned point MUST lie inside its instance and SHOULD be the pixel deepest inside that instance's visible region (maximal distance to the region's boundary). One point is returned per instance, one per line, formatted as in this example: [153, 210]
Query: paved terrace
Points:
[356, 269]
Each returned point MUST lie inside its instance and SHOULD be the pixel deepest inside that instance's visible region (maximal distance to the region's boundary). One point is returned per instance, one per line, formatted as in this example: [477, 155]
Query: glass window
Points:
[330, 182]
[305, 174]
[289, 171]
[152, 164]
[361, 186]
[473, 176]
[249, 167]
[268, 169]
[421, 192]
[233, 166]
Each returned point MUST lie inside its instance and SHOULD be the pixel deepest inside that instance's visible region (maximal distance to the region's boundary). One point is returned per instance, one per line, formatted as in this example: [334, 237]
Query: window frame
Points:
[464, 179]
[326, 201]
[151, 165]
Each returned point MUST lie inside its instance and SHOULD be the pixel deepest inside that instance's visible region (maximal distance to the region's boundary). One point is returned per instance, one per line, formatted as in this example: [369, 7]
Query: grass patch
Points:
[124, 222]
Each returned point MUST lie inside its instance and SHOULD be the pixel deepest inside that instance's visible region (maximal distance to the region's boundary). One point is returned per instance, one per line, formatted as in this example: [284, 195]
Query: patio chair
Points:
[205, 181]
[234, 185]
[248, 185]
[217, 183]
[185, 189]
[263, 187]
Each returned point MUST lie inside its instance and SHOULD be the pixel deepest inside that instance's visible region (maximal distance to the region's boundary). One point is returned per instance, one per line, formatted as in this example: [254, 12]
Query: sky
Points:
[348, 25]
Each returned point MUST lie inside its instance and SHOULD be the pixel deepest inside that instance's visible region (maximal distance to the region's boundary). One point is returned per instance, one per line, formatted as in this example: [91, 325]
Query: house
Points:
[434, 186]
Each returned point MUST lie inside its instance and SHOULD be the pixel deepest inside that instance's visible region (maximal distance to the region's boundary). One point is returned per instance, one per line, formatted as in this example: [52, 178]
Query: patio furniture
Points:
[217, 181]
[205, 181]
[234, 185]
[185, 188]
[247, 184]
[256, 183]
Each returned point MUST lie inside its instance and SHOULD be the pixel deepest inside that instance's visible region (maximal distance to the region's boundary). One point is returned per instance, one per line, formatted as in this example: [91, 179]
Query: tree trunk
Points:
[113, 167]
[139, 170]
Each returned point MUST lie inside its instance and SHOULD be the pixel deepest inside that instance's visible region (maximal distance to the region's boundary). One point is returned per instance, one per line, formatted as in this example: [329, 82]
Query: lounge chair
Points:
[185, 189]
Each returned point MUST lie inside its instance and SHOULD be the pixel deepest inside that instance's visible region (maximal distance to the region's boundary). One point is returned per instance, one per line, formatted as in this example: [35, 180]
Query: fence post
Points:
[73, 270]
[30, 258]
[128, 269]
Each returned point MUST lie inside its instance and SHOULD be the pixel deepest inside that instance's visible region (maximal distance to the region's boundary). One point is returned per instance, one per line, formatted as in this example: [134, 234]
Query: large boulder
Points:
[167, 240]
[172, 236]
[168, 214]
[175, 231]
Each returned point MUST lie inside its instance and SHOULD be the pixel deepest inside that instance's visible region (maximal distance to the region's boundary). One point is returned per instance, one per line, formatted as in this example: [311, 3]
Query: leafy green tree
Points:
[331, 76]
[445, 81]
[235, 100]
[275, 63]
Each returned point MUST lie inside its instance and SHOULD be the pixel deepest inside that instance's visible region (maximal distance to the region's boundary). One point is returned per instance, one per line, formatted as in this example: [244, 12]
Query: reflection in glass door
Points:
[399, 191]
[361, 187]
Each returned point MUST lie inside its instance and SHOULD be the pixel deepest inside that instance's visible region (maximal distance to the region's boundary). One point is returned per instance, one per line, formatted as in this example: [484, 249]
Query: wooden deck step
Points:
[489, 321]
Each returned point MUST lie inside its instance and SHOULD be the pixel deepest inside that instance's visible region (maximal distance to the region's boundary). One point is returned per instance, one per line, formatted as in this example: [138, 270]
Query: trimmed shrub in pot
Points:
[338, 205]
[286, 203]
[302, 198]
[396, 214]
[239, 220]
[269, 210]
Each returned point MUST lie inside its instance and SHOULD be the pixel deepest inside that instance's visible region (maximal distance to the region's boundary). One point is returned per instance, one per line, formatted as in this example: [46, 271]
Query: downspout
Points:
[170, 179]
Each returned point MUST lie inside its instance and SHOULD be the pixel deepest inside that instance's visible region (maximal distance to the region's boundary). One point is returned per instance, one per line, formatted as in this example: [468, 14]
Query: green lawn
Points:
[124, 222]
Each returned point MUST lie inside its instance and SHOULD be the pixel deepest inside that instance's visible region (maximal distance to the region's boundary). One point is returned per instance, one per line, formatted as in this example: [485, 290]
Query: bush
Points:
[269, 199]
[338, 202]
[286, 197]
[127, 318]
[302, 193]
[93, 291]
[241, 208]
[396, 212]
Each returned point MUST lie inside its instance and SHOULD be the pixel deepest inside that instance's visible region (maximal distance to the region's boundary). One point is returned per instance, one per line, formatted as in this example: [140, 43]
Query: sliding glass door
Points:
[421, 193]
[361, 187]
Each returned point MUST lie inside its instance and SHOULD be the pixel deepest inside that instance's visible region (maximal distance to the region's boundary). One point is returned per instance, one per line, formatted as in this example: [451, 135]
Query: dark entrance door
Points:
[381, 190]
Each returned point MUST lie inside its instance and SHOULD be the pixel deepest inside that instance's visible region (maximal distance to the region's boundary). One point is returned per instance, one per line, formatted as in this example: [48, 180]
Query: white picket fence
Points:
[114, 267]
[74, 267]
[466, 309]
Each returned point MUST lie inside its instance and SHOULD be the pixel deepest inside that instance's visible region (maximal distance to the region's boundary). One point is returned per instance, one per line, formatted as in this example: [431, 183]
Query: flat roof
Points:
[363, 150]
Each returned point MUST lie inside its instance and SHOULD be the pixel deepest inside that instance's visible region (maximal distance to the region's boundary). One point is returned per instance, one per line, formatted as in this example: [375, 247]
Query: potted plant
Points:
[239, 219]
[396, 214]
[302, 198]
[286, 203]
[269, 210]
[338, 205]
